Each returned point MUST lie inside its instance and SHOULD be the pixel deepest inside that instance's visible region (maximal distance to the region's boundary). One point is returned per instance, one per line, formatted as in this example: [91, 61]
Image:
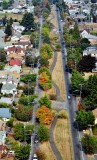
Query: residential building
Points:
[6, 100]
[9, 89]
[2, 137]
[13, 62]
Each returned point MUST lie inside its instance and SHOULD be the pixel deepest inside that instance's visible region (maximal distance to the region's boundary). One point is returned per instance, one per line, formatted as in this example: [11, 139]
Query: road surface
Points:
[78, 154]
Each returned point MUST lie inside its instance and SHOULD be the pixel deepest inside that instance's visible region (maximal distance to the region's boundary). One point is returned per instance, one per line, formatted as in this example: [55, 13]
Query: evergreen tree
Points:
[28, 21]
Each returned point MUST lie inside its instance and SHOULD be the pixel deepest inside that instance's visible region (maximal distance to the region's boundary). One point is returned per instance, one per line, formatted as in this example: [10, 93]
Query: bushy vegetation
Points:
[62, 114]
[43, 133]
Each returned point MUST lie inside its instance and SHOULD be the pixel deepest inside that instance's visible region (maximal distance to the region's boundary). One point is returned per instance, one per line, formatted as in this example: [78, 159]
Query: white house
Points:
[13, 68]
[9, 89]
[2, 137]
[6, 100]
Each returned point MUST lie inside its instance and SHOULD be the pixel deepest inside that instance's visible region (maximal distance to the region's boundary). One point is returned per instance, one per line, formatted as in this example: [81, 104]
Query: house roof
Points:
[5, 113]
[85, 34]
[15, 55]
[13, 68]
[13, 62]
[16, 49]
[23, 43]
[8, 86]
[6, 100]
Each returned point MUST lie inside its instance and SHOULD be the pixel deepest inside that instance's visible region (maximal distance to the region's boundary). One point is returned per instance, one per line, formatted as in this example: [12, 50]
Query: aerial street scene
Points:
[48, 80]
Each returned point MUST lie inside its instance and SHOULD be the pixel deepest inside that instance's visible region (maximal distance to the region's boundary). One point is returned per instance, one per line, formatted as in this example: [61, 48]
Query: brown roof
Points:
[15, 49]
[15, 55]
[13, 62]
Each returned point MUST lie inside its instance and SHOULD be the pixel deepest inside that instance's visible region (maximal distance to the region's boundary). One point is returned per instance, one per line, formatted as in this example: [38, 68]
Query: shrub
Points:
[62, 114]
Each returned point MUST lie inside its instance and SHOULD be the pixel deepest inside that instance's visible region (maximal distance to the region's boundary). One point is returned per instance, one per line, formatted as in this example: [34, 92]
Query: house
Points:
[90, 51]
[13, 68]
[2, 137]
[9, 89]
[15, 56]
[5, 113]
[13, 62]
[25, 44]
[6, 100]
[85, 34]
[14, 49]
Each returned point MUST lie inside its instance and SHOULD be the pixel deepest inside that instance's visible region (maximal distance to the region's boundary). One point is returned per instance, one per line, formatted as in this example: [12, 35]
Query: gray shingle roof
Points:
[5, 113]
[8, 86]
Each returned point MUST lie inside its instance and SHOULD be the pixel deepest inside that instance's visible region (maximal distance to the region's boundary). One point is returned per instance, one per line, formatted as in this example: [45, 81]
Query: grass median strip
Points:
[62, 138]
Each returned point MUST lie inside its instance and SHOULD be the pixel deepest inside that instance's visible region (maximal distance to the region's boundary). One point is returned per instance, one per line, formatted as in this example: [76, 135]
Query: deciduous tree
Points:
[45, 115]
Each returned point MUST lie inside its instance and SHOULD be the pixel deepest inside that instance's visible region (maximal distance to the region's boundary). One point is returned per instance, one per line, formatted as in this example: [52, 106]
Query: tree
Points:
[86, 64]
[4, 19]
[28, 21]
[45, 115]
[27, 100]
[84, 119]
[90, 97]
[29, 60]
[76, 80]
[19, 132]
[10, 21]
[23, 133]
[44, 62]
[10, 122]
[34, 38]
[2, 56]
[89, 144]
[46, 50]
[29, 77]
[5, 4]
[84, 43]
[22, 152]
[43, 133]
[8, 30]
[45, 101]
[76, 33]
[23, 113]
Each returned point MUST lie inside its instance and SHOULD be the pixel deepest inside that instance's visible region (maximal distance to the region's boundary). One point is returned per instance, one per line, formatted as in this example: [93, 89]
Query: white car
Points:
[35, 157]
[68, 97]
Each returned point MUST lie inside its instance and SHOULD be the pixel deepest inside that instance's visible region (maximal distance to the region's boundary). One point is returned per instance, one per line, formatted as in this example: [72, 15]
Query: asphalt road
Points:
[78, 154]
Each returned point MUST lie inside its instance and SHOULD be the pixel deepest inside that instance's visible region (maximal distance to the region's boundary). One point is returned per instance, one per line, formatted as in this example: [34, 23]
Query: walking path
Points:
[56, 104]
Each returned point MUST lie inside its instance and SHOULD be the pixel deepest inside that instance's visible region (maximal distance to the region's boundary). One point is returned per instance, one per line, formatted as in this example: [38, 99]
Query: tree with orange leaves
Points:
[45, 115]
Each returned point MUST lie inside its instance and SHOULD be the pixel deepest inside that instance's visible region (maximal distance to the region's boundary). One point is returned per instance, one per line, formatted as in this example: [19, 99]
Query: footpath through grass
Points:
[62, 138]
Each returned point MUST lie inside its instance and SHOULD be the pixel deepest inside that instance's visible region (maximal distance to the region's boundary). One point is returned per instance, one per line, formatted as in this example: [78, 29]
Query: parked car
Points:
[35, 157]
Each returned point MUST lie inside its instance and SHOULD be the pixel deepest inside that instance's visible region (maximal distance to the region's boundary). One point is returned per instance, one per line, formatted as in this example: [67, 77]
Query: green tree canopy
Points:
[28, 21]
[22, 152]
[84, 119]
[91, 92]
[23, 113]
[89, 144]
[43, 133]
[8, 30]
[45, 101]
[76, 80]
[46, 51]
[27, 100]
[29, 77]
[5, 4]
